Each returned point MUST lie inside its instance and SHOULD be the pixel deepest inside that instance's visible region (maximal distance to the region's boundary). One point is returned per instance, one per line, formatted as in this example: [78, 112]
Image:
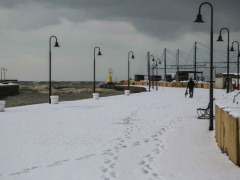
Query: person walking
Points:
[190, 85]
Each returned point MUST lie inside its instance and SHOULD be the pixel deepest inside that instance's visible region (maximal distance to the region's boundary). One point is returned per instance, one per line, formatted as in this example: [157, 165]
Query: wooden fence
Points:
[169, 84]
[227, 133]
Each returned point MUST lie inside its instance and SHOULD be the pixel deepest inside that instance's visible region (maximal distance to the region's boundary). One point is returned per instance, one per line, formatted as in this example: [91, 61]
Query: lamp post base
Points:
[96, 96]
[127, 92]
[54, 99]
[2, 106]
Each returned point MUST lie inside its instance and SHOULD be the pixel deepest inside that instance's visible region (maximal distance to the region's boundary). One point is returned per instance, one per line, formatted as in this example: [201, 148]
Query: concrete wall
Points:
[227, 134]
[7, 90]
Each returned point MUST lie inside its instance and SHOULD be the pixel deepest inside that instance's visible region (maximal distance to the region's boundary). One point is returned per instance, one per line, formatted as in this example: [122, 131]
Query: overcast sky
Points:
[117, 26]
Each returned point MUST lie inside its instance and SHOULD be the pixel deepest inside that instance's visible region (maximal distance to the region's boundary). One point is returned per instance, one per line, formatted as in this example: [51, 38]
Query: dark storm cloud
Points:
[166, 19]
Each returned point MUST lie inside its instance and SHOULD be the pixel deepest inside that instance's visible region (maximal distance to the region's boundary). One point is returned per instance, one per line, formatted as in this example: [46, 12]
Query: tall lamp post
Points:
[130, 52]
[220, 40]
[1, 73]
[4, 74]
[94, 67]
[199, 20]
[50, 65]
[151, 76]
[158, 61]
[215, 68]
[238, 55]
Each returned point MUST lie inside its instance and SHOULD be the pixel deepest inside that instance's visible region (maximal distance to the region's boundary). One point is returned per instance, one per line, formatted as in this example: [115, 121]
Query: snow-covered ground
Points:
[143, 136]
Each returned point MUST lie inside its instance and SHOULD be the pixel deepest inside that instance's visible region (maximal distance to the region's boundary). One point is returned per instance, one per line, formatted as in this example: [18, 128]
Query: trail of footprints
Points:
[56, 163]
[159, 146]
[111, 156]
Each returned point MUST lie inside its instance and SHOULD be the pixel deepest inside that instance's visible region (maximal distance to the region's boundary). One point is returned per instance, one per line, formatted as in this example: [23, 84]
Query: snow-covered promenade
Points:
[143, 136]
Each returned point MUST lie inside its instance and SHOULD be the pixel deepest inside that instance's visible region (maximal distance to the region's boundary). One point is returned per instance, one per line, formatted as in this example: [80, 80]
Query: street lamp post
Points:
[94, 67]
[4, 74]
[148, 71]
[2, 70]
[215, 68]
[151, 76]
[153, 79]
[50, 65]
[199, 20]
[220, 40]
[158, 61]
[238, 55]
[195, 61]
[130, 52]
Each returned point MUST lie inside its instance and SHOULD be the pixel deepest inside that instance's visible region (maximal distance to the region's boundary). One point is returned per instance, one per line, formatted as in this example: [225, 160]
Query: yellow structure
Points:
[110, 74]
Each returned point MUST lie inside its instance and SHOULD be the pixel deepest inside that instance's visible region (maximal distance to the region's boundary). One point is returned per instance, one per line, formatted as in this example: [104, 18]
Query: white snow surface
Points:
[231, 103]
[143, 136]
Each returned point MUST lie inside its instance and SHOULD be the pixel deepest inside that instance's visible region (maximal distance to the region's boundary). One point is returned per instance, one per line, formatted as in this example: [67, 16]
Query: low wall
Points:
[170, 84]
[227, 132]
[8, 90]
[133, 89]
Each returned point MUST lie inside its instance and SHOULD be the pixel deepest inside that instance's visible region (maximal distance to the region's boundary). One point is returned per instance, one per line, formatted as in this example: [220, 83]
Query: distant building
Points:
[220, 80]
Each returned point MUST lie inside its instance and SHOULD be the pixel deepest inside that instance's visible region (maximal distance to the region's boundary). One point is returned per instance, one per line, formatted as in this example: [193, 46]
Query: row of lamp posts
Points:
[154, 65]
[238, 55]
[158, 62]
[220, 39]
[200, 20]
[96, 95]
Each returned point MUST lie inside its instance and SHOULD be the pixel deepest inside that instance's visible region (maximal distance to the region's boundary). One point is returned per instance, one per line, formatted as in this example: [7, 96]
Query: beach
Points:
[37, 92]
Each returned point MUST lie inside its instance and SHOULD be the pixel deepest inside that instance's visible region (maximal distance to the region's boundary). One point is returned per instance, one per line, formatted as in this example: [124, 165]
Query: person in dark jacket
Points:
[191, 85]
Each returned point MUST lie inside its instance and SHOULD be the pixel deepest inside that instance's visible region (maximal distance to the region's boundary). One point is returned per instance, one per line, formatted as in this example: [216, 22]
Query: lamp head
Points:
[232, 49]
[199, 19]
[133, 57]
[99, 53]
[56, 44]
[220, 38]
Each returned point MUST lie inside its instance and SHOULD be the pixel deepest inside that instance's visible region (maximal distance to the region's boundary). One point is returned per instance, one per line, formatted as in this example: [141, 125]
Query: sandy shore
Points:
[35, 94]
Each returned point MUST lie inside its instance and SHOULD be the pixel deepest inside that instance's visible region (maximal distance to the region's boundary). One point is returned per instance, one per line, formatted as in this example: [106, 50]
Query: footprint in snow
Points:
[115, 157]
[112, 165]
[107, 161]
[136, 143]
[105, 178]
[103, 169]
[145, 171]
[113, 174]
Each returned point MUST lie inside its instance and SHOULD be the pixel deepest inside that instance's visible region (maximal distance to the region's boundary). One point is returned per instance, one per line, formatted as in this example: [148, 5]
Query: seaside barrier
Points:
[168, 84]
[227, 132]
[9, 89]
[133, 89]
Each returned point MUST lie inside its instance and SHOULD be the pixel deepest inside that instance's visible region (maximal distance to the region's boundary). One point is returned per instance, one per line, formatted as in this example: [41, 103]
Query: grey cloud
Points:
[164, 19]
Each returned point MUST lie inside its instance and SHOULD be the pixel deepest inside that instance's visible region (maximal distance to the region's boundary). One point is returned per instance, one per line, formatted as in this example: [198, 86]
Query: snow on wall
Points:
[230, 102]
